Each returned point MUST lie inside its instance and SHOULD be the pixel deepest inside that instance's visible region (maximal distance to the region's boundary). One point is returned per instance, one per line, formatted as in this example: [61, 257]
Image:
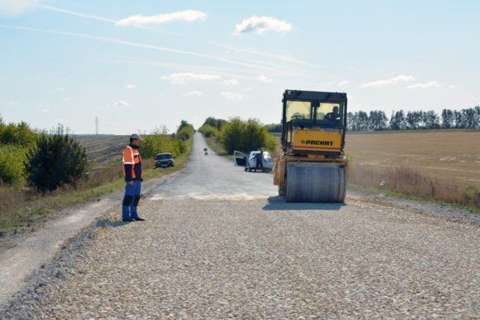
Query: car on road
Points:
[251, 163]
[164, 160]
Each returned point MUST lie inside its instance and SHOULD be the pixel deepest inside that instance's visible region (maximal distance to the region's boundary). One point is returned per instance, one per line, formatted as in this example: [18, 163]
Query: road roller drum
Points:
[315, 182]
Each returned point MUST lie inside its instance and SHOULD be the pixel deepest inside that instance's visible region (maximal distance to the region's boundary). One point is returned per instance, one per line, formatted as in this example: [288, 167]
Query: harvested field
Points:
[103, 148]
[451, 155]
[435, 164]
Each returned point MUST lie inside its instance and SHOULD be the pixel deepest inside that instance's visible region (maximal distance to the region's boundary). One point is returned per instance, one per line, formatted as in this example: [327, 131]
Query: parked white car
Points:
[267, 161]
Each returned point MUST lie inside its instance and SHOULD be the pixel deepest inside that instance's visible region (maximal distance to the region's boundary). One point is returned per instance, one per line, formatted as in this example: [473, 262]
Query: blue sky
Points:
[141, 65]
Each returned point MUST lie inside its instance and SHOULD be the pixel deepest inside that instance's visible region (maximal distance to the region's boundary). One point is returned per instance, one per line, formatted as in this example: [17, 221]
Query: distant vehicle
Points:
[164, 160]
[267, 161]
[205, 151]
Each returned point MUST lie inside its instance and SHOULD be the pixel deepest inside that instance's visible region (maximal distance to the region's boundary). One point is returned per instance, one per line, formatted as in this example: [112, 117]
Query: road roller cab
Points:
[314, 122]
[312, 165]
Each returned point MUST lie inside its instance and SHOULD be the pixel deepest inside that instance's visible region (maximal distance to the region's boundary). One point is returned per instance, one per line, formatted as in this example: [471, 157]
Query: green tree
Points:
[231, 136]
[55, 161]
[246, 136]
[17, 134]
[158, 143]
[208, 130]
[185, 131]
[216, 123]
[254, 137]
[398, 121]
[12, 169]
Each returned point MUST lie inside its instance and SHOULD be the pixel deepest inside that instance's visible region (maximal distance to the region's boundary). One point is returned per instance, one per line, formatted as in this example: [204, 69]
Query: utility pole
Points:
[96, 126]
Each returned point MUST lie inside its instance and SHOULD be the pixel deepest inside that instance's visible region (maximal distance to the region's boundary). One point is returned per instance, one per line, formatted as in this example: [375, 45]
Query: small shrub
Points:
[57, 160]
[472, 196]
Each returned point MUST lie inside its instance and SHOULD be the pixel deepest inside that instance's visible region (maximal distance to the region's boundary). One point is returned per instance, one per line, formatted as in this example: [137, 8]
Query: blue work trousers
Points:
[131, 199]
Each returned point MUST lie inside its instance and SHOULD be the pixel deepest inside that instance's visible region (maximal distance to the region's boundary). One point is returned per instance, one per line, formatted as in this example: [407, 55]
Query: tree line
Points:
[468, 118]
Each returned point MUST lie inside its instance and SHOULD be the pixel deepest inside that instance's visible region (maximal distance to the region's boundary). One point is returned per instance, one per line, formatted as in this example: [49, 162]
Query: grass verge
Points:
[23, 211]
[413, 184]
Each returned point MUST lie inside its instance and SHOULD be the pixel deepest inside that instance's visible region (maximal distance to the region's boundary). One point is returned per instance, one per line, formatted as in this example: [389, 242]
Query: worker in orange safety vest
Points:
[132, 170]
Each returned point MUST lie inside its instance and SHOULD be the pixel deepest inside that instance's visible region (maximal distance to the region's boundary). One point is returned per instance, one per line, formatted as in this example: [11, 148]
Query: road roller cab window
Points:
[299, 110]
[328, 111]
[307, 114]
[330, 114]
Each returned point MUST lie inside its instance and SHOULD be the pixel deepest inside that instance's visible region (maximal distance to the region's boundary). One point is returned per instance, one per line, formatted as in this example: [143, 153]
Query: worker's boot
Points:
[134, 212]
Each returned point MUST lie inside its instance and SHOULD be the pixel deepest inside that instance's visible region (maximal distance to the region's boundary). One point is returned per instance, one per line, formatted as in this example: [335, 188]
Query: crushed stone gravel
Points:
[259, 259]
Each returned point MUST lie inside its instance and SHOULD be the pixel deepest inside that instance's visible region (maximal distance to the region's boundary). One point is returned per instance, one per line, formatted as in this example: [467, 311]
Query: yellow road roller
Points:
[311, 166]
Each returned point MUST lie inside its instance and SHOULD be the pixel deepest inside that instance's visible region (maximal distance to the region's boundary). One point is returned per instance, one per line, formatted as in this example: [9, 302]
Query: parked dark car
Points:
[164, 160]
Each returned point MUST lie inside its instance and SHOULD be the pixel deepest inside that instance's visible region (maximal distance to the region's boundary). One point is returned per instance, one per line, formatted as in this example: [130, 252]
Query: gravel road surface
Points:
[218, 244]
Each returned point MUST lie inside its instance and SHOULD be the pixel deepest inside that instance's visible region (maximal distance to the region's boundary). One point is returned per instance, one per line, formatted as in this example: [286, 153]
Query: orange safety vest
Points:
[131, 156]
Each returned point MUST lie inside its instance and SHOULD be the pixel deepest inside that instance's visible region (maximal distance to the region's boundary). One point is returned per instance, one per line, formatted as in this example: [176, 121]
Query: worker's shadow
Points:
[279, 203]
[110, 223]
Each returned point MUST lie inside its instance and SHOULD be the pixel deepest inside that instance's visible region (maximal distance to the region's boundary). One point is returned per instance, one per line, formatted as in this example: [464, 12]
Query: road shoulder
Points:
[19, 264]
[424, 207]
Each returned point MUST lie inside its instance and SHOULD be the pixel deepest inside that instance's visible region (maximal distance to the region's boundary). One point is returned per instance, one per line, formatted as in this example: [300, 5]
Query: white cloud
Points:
[424, 85]
[343, 83]
[182, 78]
[231, 82]
[263, 78]
[121, 103]
[261, 24]
[15, 7]
[194, 93]
[130, 86]
[452, 86]
[139, 20]
[44, 110]
[232, 96]
[389, 82]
